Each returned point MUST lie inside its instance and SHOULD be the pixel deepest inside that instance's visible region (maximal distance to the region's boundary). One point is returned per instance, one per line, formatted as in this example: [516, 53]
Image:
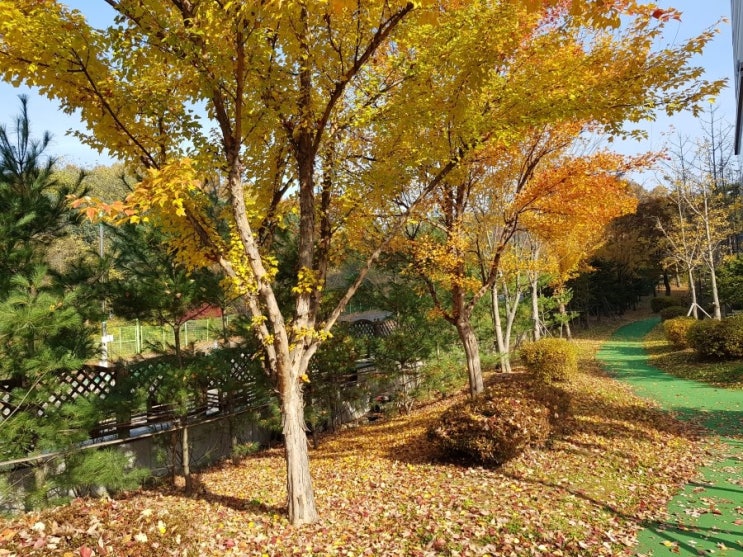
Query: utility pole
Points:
[105, 337]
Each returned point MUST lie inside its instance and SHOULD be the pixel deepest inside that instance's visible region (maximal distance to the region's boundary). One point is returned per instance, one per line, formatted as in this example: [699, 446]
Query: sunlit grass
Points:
[687, 365]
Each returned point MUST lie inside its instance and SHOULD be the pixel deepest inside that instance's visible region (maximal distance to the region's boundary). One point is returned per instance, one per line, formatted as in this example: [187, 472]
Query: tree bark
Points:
[693, 292]
[667, 282]
[177, 344]
[472, 353]
[300, 495]
[536, 329]
[565, 320]
[186, 452]
[501, 344]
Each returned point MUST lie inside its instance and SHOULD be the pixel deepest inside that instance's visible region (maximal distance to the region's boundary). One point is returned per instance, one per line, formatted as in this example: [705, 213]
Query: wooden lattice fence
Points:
[231, 387]
[230, 384]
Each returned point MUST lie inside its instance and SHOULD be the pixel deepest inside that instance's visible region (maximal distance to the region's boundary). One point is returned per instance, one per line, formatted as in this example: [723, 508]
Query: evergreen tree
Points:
[44, 333]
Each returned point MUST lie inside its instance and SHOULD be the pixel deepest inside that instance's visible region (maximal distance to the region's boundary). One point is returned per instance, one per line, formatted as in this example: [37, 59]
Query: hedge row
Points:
[709, 338]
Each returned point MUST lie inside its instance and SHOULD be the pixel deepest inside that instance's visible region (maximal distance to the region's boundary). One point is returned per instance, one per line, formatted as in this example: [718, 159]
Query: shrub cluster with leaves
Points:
[672, 312]
[550, 359]
[661, 302]
[718, 339]
[677, 330]
[492, 428]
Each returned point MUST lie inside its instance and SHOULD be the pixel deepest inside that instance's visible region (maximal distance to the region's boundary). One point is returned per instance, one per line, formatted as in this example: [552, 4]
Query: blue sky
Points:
[697, 16]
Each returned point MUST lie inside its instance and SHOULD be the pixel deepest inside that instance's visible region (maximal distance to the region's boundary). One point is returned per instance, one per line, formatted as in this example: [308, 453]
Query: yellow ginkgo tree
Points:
[338, 117]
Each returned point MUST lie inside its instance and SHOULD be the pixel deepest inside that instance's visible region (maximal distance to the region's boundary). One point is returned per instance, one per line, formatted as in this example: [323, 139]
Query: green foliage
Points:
[491, 429]
[33, 204]
[333, 381]
[245, 449]
[730, 282]
[550, 359]
[672, 312]
[688, 365]
[610, 288]
[677, 329]
[660, 302]
[441, 375]
[87, 472]
[718, 339]
[395, 351]
[42, 314]
[549, 309]
[150, 284]
[59, 434]
[44, 330]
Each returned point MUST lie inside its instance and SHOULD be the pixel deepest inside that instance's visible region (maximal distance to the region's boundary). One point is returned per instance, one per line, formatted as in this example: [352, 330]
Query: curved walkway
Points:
[706, 518]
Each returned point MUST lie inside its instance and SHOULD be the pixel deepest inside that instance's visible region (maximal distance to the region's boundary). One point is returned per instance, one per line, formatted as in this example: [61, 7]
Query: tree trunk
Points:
[503, 350]
[667, 282]
[225, 336]
[177, 344]
[716, 310]
[565, 321]
[186, 452]
[300, 495]
[535, 307]
[693, 292]
[472, 353]
[174, 437]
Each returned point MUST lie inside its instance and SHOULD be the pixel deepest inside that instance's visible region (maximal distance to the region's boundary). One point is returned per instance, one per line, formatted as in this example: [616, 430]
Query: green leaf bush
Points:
[672, 312]
[550, 359]
[661, 302]
[491, 429]
[718, 339]
[677, 329]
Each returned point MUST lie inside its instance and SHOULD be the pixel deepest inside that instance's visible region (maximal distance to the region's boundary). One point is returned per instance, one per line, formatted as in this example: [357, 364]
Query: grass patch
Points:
[687, 365]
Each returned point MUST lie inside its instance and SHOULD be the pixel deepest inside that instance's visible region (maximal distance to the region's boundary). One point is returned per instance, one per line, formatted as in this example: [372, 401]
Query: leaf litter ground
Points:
[706, 517]
[381, 491]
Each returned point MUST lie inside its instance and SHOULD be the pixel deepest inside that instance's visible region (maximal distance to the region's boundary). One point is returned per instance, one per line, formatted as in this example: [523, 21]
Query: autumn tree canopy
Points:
[336, 117]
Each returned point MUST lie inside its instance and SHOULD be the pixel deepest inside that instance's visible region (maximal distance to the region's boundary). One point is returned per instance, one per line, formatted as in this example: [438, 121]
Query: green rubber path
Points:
[706, 518]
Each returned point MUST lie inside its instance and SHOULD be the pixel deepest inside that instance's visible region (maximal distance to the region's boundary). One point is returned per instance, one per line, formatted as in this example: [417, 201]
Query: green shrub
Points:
[492, 428]
[657, 304]
[732, 328]
[677, 329]
[718, 339]
[550, 359]
[94, 470]
[672, 312]
[705, 337]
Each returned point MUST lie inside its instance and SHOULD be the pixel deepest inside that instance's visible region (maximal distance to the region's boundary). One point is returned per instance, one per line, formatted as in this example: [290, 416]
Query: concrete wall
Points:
[210, 441]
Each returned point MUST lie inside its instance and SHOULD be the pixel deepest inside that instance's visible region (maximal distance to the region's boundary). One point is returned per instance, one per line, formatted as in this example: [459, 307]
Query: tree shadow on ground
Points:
[201, 490]
[241, 504]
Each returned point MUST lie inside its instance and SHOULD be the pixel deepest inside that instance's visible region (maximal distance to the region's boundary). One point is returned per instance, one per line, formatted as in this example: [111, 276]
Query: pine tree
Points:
[44, 333]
